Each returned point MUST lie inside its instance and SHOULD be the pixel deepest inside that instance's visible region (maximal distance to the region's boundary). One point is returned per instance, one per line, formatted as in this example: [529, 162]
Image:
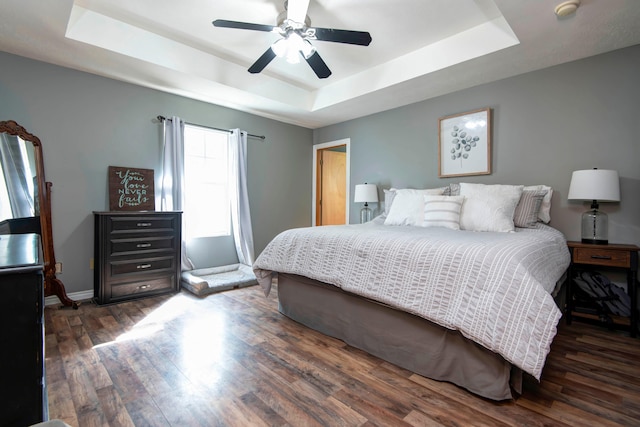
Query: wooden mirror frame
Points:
[52, 285]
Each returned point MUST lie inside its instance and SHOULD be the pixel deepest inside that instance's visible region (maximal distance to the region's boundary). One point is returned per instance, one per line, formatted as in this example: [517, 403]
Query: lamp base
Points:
[366, 215]
[595, 241]
[595, 227]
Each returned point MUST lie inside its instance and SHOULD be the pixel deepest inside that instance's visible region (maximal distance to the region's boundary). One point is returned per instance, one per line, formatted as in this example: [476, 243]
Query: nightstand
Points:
[612, 256]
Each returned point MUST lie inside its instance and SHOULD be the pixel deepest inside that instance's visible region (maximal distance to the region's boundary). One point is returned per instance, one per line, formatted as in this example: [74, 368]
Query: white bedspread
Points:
[492, 287]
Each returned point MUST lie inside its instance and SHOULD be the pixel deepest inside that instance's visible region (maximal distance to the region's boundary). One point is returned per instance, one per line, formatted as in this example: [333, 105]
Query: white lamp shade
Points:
[595, 184]
[366, 193]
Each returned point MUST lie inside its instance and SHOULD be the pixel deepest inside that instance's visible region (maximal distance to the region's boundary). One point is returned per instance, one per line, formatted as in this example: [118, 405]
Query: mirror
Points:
[25, 198]
[17, 178]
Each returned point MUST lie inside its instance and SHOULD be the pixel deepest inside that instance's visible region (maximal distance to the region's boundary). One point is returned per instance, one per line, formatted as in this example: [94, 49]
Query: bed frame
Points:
[403, 339]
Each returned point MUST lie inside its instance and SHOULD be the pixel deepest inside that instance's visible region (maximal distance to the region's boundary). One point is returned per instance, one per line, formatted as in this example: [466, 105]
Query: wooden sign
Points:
[131, 189]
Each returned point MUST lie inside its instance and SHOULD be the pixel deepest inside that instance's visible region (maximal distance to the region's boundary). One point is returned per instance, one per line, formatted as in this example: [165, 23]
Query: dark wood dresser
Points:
[22, 383]
[137, 254]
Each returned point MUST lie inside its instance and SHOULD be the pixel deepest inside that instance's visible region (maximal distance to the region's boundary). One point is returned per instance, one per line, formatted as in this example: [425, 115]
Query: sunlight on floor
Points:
[212, 325]
[137, 332]
[199, 351]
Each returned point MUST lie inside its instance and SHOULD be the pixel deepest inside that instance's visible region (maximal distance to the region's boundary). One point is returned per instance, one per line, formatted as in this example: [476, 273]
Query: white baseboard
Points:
[76, 296]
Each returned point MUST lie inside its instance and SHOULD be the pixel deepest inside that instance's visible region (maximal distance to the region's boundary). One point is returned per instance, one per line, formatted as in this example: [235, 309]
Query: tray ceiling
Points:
[419, 50]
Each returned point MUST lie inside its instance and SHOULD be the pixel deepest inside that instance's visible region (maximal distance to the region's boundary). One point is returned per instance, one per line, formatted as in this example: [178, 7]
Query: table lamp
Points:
[366, 193]
[597, 185]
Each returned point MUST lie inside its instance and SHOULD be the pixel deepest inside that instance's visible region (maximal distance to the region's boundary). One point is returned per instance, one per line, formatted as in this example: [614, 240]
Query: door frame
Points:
[346, 142]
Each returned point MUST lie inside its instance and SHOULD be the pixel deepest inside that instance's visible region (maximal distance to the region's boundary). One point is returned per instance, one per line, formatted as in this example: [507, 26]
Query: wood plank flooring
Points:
[232, 359]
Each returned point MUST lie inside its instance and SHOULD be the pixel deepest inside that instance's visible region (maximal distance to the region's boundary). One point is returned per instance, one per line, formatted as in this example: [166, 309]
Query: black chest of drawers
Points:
[23, 381]
[137, 254]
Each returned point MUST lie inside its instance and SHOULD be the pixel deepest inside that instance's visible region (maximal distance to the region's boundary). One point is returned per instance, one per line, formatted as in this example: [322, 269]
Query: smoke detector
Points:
[567, 8]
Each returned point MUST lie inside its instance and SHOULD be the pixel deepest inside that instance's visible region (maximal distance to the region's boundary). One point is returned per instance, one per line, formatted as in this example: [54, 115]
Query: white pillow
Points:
[391, 193]
[544, 214]
[421, 192]
[442, 211]
[408, 206]
[489, 207]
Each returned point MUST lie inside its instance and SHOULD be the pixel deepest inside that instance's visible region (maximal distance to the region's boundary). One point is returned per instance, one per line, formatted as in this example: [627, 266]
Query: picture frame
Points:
[464, 144]
[131, 189]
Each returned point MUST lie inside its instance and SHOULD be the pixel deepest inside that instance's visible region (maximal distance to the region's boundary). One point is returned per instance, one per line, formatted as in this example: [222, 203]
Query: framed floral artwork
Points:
[464, 144]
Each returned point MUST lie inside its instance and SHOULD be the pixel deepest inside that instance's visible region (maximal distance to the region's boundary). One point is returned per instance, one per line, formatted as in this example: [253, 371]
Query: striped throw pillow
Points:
[442, 211]
[526, 213]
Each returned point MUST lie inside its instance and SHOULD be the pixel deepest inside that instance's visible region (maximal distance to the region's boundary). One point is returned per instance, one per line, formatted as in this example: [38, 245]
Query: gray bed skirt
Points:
[403, 339]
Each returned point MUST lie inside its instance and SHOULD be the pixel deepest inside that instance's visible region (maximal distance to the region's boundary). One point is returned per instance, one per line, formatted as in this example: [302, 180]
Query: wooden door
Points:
[331, 186]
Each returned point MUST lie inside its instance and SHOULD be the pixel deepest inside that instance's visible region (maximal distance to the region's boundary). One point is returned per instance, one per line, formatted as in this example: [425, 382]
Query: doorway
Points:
[331, 183]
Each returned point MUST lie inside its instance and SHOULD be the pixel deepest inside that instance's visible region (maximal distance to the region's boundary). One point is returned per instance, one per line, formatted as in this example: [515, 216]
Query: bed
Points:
[471, 307]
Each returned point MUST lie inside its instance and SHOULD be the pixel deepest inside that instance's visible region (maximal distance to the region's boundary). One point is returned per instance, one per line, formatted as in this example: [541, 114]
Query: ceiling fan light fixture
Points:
[307, 49]
[283, 49]
[294, 41]
[280, 48]
[292, 46]
[293, 57]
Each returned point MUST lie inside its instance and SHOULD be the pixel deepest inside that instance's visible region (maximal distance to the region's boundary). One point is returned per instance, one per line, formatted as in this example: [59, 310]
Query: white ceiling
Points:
[420, 48]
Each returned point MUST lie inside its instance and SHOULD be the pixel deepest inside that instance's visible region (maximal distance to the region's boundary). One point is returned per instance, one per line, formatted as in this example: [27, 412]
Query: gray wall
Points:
[87, 123]
[546, 124]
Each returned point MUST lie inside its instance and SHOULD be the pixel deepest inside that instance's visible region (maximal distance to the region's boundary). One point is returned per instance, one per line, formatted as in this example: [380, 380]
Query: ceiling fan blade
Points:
[242, 25]
[318, 66]
[297, 10]
[361, 38]
[262, 62]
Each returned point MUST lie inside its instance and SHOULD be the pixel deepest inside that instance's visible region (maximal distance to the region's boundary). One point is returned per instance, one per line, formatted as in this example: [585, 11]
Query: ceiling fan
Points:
[295, 28]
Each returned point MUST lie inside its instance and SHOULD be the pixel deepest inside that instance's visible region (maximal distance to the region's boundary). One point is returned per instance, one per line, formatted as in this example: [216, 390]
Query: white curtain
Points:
[239, 197]
[172, 181]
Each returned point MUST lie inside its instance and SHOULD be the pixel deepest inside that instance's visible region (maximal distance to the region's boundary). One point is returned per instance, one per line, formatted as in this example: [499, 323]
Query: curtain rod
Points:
[163, 118]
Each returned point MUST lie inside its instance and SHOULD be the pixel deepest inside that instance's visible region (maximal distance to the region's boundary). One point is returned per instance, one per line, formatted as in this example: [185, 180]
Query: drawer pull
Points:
[143, 266]
[144, 224]
[143, 245]
[144, 287]
[600, 257]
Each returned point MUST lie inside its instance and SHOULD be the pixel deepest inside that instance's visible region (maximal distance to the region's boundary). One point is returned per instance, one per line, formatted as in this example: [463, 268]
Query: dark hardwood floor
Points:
[232, 360]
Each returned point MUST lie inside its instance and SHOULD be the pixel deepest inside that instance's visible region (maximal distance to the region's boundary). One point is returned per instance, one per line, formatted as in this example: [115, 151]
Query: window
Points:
[206, 169]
